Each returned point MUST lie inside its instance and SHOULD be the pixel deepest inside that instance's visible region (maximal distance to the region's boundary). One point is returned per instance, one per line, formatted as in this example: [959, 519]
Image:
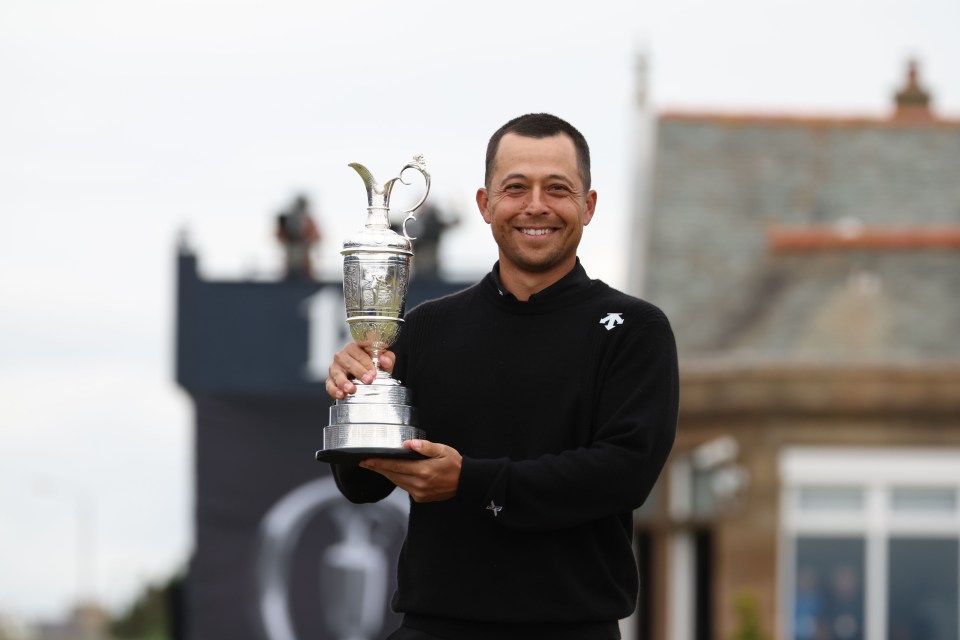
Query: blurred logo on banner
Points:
[353, 573]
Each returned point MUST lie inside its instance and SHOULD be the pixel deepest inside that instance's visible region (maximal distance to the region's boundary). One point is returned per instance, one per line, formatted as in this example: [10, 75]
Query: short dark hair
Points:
[541, 125]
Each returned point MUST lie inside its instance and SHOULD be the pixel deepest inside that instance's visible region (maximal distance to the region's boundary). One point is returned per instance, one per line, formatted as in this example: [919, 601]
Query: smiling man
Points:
[550, 400]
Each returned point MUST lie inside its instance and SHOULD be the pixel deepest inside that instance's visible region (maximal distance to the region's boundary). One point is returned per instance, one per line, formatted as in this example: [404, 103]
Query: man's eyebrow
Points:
[561, 177]
[513, 176]
[523, 176]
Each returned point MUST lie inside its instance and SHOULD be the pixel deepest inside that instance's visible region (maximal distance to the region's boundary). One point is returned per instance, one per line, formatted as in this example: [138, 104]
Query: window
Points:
[923, 500]
[830, 499]
[870, 544]
[923, 596]
[829, 599]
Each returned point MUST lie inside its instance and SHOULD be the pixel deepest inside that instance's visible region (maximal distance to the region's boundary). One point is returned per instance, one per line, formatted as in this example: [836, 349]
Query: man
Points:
[298, 233]
[550, 401]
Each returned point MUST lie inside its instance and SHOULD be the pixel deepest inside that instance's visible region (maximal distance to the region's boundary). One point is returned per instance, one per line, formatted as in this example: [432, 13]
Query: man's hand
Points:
[430, 480]
[353, 362]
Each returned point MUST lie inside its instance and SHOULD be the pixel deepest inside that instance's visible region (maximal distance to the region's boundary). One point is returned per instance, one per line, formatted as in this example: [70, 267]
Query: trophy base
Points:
[345, 443]
[353, 455]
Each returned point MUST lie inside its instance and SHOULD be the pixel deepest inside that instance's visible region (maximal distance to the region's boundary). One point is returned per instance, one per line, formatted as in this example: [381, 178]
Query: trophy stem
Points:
[382, 376]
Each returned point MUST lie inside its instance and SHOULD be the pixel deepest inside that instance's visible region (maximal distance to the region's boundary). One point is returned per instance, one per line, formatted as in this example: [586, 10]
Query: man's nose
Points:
[535, 202]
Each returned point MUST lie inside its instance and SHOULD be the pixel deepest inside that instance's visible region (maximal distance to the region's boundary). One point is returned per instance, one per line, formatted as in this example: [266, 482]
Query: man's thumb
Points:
[424, 447]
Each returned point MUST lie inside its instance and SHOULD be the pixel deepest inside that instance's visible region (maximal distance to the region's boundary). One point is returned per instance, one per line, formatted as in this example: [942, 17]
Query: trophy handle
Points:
[420, 165]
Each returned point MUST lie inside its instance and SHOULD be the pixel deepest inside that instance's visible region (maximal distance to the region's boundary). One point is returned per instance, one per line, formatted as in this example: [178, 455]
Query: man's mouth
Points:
[536, 232]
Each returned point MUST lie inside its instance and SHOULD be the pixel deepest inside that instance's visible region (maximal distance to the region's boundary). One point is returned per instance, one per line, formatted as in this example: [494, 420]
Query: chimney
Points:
[912, 101]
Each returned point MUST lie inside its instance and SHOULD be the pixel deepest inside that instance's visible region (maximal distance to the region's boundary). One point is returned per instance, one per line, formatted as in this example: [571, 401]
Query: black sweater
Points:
[564, 409]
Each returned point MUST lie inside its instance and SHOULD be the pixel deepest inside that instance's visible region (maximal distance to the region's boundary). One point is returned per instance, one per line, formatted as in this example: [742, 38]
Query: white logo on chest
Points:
[611, 320]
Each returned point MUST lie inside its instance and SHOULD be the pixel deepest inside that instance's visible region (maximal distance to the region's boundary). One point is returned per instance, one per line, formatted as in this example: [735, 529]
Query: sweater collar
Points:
[576, 279]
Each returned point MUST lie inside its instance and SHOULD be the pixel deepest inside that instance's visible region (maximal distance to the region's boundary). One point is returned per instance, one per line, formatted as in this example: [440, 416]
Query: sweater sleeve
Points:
[613, 474]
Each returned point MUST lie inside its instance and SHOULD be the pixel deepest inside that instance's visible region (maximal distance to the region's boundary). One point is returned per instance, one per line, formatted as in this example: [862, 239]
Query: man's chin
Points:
[534, 264]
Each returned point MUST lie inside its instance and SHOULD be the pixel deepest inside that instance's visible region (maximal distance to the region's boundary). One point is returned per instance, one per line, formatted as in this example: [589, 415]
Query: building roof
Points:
[805, 237]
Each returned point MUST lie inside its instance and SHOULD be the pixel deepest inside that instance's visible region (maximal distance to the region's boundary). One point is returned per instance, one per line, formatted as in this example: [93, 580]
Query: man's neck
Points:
[523, 284]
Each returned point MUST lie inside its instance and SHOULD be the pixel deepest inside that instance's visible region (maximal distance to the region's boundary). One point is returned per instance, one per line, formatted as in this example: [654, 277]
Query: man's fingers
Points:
[425, 448]
[338, 383]
[387, 360]
[390, 466]
[354, 361]
[333, 390]
[399, 466]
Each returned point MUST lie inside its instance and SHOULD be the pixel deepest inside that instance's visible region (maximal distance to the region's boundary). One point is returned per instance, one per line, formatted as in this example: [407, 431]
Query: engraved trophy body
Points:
[375, 420]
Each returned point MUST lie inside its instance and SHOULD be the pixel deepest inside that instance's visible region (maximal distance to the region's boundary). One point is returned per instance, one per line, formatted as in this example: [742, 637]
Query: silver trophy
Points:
[376, 420]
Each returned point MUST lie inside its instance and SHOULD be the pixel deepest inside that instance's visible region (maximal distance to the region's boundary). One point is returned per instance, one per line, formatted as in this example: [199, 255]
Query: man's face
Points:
[536, 205]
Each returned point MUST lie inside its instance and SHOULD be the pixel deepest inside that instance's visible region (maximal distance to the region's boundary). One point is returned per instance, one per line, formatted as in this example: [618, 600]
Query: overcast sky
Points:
[124, 123]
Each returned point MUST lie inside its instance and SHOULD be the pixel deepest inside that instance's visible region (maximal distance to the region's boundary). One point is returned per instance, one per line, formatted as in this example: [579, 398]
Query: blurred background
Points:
[780, 177]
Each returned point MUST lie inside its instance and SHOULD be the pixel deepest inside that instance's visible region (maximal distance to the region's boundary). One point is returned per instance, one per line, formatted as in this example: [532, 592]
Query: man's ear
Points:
[482, 203]
[591, 207]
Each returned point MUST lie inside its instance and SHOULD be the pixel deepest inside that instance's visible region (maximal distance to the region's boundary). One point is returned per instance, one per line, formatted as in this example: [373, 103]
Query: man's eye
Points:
[559, 187]
[513, 187]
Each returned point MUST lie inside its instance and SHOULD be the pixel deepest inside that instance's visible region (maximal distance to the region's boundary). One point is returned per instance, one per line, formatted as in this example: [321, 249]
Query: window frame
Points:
[878, 472]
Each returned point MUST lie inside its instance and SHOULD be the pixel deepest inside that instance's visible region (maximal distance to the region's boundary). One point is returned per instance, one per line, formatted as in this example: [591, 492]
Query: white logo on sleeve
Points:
[496, 509]
[611, 320]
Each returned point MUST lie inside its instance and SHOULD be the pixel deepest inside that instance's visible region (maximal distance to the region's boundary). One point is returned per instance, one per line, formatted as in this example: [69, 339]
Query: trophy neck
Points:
[378, 217]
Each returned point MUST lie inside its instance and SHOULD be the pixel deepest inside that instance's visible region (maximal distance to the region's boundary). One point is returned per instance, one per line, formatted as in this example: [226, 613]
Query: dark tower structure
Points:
[278, 554]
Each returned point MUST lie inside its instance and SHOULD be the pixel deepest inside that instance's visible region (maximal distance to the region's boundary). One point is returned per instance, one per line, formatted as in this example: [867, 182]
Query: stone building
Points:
[811, 269]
